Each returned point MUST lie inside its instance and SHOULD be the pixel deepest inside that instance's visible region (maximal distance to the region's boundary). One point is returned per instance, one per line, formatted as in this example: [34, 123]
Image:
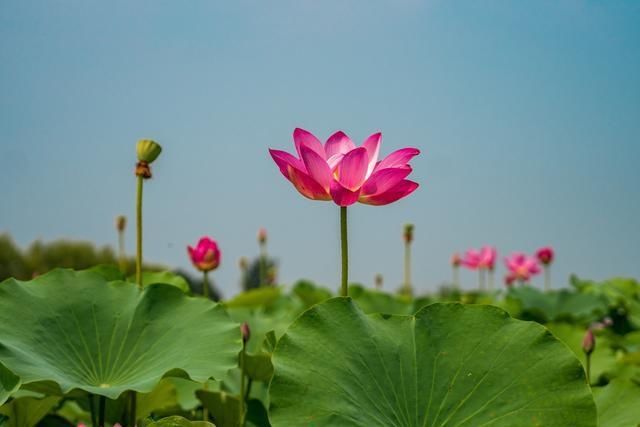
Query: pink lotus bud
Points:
[589, 342]
[456, 260]
[246, 332]
[509, 279]
[338, 170]
[408, 233]
[262, 236]
[545, 255]
[206, 255]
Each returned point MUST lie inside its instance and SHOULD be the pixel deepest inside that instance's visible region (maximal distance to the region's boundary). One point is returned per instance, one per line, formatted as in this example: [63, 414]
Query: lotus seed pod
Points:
[148, 150]
[408, 233]
[121, 223]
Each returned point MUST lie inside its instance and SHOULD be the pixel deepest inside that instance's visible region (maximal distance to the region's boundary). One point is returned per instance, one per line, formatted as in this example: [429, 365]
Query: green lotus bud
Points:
[148, 150]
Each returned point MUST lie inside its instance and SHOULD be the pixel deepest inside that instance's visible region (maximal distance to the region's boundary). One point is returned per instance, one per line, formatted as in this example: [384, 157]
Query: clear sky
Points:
[527, 115]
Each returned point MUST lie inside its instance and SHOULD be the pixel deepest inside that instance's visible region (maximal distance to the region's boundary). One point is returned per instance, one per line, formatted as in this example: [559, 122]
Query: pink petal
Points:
[400, 190]
[372, 144]
[352, 170]
[307, 186]
[284, 160]
[382, 180]
[343, 196]
[398, 158]
[317, 167]
[334, 160]
[338, 143]
[302, 137]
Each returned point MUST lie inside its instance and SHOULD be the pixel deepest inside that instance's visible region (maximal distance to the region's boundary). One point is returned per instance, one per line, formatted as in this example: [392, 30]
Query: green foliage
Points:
[618, 404]
[81, 332]
[449, 364]
[178, 422]
[251, 278]
[9, 383]
[27, 411]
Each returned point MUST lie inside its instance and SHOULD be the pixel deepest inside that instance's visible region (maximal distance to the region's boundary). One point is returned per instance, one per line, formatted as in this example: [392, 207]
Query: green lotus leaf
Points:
[165, 277]
[309, 293]
[27, 411]
[177, 421]
[374, 301]
[449, 365]
[618, 404]
[257, 415]
[80, 331]
[258, 366]
[224, 408]
[163, 396]
[9, 383]
[259, 297]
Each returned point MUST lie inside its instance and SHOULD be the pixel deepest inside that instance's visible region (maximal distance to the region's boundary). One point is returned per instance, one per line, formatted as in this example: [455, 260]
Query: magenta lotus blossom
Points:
[521, 267]
[344, 173]
[484, 258]
[545, 255]
[206, 255]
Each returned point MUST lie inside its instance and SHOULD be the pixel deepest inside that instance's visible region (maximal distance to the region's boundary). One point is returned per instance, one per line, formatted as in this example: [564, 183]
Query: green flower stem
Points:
[547, 278]
[133, 407]
[92, 409]
[456, 277]
[101, 411]
[588, 368]
[491, 280]
[242, 382]
[263, 264]
[205, 285]
[121, 252]
[139, 233]
[407, 268]
[481, 279]
[345, 251]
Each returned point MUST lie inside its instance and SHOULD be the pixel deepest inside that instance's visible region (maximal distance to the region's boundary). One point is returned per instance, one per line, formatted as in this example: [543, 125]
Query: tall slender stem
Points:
[547, 278]
[588, 356]
[491, 279]
[242, 382]
[345, 251]
[121, 252]
[133, 407]
[263, 264]
[92, 408]
[407, 268]
[456, 277]
[481, 279]
[205, 285]
[101, 411]
[139, 233]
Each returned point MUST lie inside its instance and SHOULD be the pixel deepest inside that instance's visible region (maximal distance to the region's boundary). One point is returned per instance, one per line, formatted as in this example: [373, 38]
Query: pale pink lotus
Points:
[483, 258]
[521, 267]
[344, 173]
[206, 255]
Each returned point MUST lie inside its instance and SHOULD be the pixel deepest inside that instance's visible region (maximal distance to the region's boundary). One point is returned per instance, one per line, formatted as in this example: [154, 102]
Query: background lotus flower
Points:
[206, 255]
[482, 259]
[521, 267]
[545, 255]
[344, 173]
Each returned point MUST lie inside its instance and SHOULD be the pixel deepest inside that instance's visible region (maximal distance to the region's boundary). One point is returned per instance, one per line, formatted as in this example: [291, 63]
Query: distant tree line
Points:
[41, 257]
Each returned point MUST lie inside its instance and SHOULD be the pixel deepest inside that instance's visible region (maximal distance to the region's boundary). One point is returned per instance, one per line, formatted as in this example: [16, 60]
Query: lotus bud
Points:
[246, 332]
[206, 255]
[408, 233]
[121, 223]
[589, 342]
[262, 236]
[456, 260]
[378, 281]
[545, 255]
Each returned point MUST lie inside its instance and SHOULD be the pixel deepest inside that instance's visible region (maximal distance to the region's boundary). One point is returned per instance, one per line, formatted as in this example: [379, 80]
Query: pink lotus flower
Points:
[485, 258]
[545, 255]
[206, 255]
[521, 267]
[344, 173]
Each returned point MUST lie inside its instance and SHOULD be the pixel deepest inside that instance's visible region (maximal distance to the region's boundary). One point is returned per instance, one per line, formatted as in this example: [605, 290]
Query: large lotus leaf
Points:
[163, 396]
[558, 305]
[618, 404]
[258, 366]
[259, 297]
[78, 330]
[224, 408]
[374, 301]
[309, 293]
[168, 278]
[179, 422]
[9, 383]
[27, 411]
[449, 365]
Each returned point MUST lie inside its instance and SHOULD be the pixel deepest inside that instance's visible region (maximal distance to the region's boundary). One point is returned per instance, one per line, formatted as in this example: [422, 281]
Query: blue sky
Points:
[527, 115]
